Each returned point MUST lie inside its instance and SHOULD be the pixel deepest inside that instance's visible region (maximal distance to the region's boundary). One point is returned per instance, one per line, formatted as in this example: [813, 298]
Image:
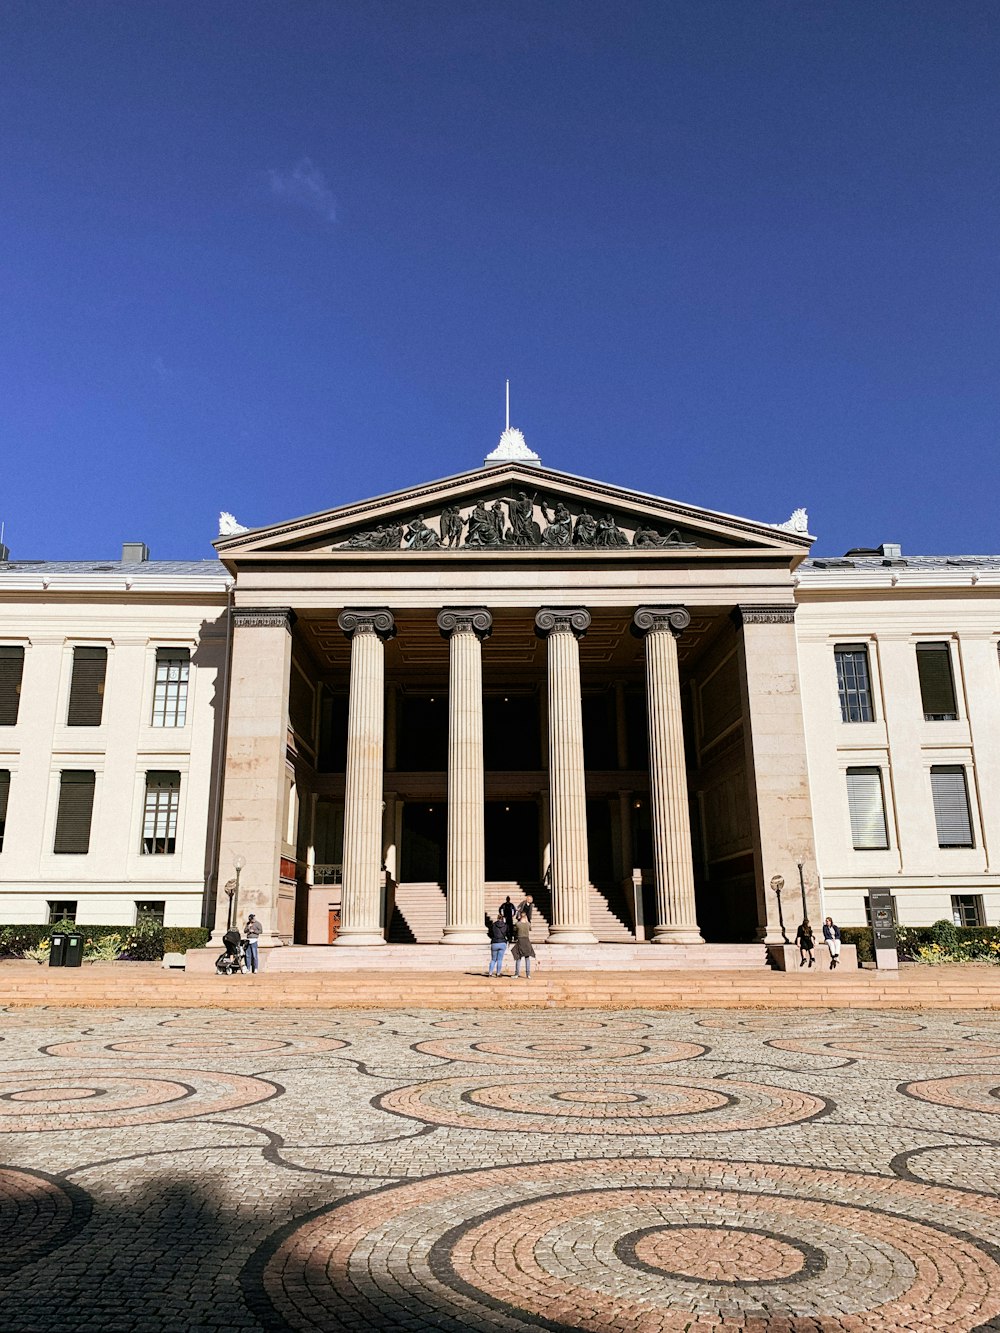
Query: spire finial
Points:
[508, 406]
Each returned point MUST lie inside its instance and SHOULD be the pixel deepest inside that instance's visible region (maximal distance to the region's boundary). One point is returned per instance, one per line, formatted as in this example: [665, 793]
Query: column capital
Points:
[673, 618]
[475, 618]
[367, 620]
[562, 618]
[263, 617]
[762, 615]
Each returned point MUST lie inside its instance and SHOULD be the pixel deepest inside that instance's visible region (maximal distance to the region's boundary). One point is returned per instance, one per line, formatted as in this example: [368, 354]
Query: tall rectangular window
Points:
[159, 821]
[967, 909]
[170, 691]
[4, 794]
[951, 805]
[86, 691]
[11, 671]
[937, 683]
[854, 682]
[76, 808]
[866, 803]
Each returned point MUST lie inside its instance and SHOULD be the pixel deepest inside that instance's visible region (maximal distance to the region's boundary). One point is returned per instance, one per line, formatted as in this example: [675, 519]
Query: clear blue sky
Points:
[276, 255]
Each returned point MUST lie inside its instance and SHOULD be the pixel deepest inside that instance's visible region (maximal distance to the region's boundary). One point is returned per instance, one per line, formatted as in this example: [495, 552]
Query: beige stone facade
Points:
[511, 681]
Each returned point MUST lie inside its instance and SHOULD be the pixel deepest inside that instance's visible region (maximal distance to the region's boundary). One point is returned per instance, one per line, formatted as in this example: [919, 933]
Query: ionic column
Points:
[362, 875]
[563, 627]
[676, 919]
[465, 628]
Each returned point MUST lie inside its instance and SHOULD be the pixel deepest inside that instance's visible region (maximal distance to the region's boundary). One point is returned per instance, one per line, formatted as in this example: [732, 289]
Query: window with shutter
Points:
[11, 671]
[86, 691]
[951, 806]
[173, 666]
[159, 823]
[866, 803]
[853, 683]
[76, 808]
[937, 684]
[4, 794]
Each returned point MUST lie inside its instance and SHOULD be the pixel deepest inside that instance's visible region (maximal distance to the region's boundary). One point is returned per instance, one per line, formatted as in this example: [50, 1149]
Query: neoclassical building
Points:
[392, 714]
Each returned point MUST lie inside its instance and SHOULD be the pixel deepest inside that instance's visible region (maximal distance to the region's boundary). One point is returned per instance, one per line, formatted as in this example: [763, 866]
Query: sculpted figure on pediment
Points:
[481, 531]
[499, 523]
[451, 526]
[419, 537]
[609, 534]
[524, 531]
[381, 538]
[560, 526]
[650, 537]
[585, 529]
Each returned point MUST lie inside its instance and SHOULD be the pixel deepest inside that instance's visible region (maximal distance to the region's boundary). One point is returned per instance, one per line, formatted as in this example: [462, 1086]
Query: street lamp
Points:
[777, 884]
[233, 889]
[802, 886]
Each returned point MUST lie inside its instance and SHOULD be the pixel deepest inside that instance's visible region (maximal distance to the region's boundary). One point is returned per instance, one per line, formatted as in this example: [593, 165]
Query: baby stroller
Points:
[231, 962]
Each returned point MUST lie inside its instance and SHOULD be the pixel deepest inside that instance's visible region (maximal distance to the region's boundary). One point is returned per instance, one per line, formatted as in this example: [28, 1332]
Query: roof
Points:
[877, 563]
[132, 568]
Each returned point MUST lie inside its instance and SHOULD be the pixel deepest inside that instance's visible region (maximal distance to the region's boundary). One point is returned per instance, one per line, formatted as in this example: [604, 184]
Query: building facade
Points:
[375, 722]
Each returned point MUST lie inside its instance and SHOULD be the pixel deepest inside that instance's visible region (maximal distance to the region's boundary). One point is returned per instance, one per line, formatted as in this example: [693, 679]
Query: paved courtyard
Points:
[811, 1170]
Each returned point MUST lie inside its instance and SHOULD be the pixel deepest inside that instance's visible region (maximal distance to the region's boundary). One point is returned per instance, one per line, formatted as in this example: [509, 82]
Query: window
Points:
[937, 684]
[4, 793]
[951, 806]
[150, 911]
[854, 682]
[868, 911]
[86, 691]
[11, 670]
[967, 910]
[866, 803]
[170, 691]
[159, 822]
[64, 911]
[76, 806]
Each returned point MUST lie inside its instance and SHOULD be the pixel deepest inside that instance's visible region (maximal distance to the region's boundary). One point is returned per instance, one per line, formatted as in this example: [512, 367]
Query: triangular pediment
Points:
[510, 509]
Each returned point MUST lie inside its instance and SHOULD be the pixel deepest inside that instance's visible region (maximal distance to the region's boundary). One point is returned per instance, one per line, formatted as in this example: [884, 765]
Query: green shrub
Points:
[178, 939]
[945, 933]
[146, 941]
[861, 937]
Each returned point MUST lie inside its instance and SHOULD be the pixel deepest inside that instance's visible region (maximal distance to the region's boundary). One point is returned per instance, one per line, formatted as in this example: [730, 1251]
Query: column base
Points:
[463, 935]
[359, 939]
[771, 935]
[677, 935]
[570, 935]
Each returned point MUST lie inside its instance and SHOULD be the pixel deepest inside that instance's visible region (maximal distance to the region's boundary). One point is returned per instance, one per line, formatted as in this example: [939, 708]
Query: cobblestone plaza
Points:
[808, 1170]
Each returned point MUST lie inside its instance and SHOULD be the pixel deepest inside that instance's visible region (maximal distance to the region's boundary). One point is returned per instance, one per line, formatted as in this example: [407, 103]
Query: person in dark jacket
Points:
[807, 943]
[523, 947]
[507, 911]
[831, 934]
[498, 946]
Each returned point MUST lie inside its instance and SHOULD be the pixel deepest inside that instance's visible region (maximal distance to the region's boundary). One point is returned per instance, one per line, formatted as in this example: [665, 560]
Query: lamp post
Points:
[233, 889]
[802, 886]
[777, 884]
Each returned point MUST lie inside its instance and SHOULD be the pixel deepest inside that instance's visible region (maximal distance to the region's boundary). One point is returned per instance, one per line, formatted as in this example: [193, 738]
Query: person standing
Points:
[831, 934]
[523, 947]
[507, 912]
[253, 931]
[525, 907]
[498, 946]
[807, 943]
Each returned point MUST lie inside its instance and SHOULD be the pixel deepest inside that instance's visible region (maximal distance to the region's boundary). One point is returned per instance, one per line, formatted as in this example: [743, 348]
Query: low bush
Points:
[861, 937]
[146, 941]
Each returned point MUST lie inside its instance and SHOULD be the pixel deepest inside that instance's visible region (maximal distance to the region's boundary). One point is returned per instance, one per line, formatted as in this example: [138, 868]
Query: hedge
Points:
[942, 942]
[144, 942]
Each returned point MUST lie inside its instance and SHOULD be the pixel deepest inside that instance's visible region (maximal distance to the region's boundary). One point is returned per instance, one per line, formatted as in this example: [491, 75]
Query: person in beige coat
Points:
[522, 947]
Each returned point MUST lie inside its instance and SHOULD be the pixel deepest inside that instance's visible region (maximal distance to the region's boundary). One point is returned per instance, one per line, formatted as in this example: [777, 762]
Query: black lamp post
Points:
[777, 884]
[802, 886]
[233, 890]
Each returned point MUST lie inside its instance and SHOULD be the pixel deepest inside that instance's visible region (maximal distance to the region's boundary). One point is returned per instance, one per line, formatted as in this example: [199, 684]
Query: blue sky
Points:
[276, 256]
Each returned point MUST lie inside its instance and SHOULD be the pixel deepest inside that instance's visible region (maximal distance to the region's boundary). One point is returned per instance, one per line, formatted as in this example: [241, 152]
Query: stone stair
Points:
[419, 914]
[609, 915]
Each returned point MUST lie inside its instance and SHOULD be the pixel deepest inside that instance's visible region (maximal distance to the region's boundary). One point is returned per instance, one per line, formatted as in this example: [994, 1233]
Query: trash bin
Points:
[73, 953]
[57, 949]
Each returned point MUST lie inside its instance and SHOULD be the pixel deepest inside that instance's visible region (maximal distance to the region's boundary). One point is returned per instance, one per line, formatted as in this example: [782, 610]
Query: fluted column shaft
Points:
[465, 628]
[567, 784]
[673, 863]
[360, 920]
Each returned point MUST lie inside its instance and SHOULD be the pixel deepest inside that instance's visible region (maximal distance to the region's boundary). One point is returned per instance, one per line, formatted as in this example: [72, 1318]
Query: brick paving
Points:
[635, 1172]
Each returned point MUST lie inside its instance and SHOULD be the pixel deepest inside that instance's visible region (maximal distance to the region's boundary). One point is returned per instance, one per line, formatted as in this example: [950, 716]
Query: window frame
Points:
[952, 769]
[79, 698]
[143, 910]
[926, 649]
[175, 710]
[11, 652]
[160, 817]
[55, 915]
[68, 778]
[978, 909]
[5, 775]
[867, 770]
[863, 694]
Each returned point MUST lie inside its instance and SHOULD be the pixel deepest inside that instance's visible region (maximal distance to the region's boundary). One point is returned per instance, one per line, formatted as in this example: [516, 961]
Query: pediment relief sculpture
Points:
[518, 521]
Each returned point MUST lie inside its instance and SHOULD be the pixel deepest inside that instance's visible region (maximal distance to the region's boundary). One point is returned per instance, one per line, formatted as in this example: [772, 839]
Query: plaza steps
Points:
[137, 985]
[419, 914]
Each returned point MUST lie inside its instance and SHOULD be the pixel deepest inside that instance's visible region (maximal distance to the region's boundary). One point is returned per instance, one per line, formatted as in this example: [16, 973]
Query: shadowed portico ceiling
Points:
[419, 650]
[514, 512]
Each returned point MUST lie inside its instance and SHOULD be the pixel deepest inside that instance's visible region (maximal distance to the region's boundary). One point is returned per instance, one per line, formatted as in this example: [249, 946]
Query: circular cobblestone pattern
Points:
[559, 1050]
[967, 1092]
[878, 1046]
[55, 1102]
[37, 1215]
[602, 1104]
[195, 1047]
[638, 1245]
